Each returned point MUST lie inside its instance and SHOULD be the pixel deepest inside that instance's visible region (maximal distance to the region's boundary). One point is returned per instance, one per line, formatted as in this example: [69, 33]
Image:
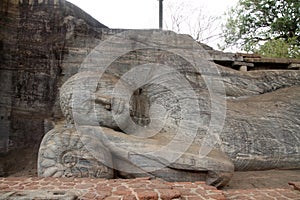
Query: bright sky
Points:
[143, 14]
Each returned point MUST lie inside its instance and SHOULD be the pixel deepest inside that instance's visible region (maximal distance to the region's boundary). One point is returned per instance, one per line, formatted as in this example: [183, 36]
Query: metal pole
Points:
[160, 14]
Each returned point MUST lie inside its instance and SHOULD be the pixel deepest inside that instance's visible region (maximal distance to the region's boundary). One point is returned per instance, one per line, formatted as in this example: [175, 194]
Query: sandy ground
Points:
[263, 179]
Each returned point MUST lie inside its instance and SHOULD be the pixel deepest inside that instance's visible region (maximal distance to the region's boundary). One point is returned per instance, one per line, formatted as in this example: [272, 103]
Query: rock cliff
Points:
[41, 44]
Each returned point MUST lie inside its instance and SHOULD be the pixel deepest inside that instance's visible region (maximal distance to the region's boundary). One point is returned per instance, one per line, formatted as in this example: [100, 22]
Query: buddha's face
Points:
[117, 110]
[99, 100]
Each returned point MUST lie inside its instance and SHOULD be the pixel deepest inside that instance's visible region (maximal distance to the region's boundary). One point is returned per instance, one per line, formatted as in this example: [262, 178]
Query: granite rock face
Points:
[42, 43]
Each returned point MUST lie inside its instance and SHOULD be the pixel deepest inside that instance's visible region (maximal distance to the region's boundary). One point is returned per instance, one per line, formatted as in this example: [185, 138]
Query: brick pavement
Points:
[134, 189]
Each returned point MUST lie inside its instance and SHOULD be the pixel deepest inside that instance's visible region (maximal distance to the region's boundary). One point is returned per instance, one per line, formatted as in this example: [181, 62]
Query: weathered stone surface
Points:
[262, 131]
[255, 105]
[42, 44]
[62, 154]
[38, 40]
[131, 152]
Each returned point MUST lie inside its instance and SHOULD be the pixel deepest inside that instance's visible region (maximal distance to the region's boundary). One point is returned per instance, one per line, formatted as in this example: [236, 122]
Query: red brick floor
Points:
[137, 189]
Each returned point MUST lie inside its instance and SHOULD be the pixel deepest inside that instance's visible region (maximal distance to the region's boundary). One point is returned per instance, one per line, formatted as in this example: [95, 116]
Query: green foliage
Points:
[280, 48]
[264, 24]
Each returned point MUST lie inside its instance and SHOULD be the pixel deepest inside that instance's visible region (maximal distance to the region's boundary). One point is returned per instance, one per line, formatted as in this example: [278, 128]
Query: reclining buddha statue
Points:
[150, 103]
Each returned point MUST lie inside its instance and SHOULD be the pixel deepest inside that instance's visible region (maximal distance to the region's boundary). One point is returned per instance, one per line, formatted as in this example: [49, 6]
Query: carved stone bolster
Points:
[62, 154]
